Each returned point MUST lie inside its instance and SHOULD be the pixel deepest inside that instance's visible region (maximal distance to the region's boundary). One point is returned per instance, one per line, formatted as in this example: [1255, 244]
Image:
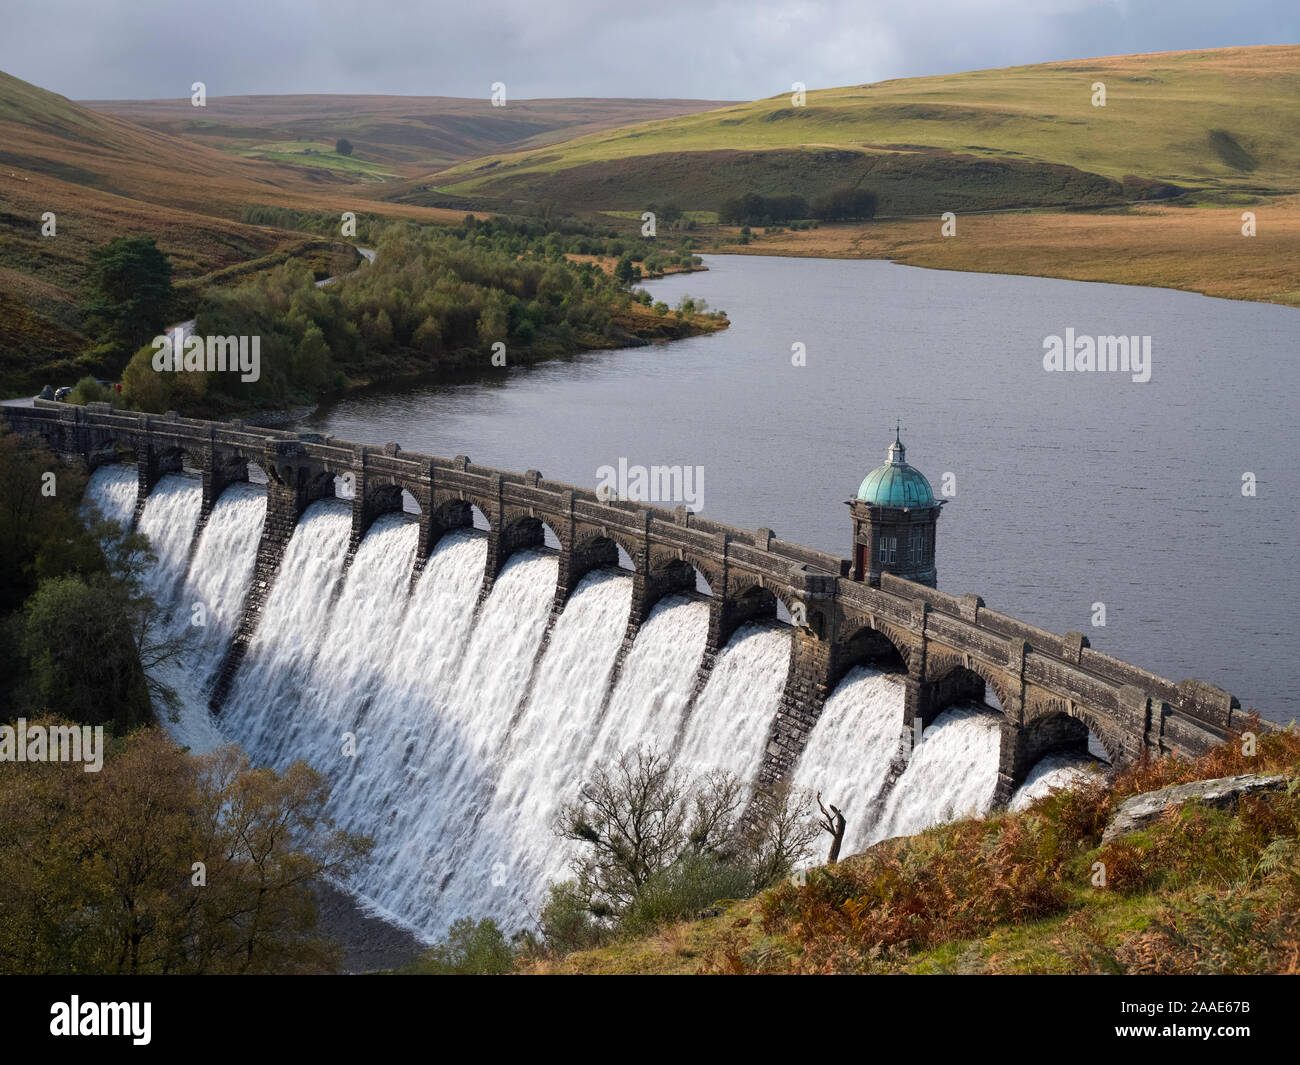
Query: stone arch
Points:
[952, 677]
[630, 548]
[663, 561]
[185, 457]
[384, 497]
[1042, 711]
[590, 551]
[551, 539]
[867, 643]
[111, 451]
[519, 531]
[170, 458]
[530, 529]
[601, 546]
[753, 597]
[792, 610]
[448, 504]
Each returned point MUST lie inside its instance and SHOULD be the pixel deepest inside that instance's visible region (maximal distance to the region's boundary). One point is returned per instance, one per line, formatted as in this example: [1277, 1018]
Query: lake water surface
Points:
[1071, 489]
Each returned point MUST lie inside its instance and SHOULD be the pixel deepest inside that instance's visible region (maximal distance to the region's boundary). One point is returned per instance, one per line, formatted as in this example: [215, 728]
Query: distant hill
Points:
[1222, 121]
[398, 135]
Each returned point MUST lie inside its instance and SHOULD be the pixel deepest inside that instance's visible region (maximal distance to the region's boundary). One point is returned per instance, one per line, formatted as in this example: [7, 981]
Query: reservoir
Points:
[1066, 489]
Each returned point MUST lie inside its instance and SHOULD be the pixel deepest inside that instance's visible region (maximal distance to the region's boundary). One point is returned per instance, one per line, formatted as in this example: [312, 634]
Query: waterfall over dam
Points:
[452, 727]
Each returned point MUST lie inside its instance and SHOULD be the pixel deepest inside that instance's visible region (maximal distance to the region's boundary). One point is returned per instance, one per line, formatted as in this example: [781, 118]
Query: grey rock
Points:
[1222, 792]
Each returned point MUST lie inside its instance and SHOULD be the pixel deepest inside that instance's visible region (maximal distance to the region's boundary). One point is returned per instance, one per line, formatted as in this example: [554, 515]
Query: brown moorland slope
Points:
[410, 134]
[101, 177]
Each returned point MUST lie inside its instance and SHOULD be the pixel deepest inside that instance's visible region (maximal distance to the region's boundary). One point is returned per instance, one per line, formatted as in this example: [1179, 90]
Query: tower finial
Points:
[897, 452]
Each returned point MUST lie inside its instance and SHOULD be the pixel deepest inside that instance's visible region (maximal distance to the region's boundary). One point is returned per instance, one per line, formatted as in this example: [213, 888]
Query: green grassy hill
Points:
[1226, 120]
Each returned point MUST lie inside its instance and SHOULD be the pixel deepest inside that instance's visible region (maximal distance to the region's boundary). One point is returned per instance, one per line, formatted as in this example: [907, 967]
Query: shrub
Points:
[566, 923]
[88, 390]
[469, 949]
[683, 889]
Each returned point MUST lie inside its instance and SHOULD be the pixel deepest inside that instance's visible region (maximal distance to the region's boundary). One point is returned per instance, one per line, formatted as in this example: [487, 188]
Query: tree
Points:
[95, 645]
[660, 847]
[780, 836]
[164, 862]
[313, 365]
[832, 822]
[638, 819]
[80, 654]
[751, 209]
[343, 146]
[40, 534]
[130, 286]
[625, 273]
[844, 204]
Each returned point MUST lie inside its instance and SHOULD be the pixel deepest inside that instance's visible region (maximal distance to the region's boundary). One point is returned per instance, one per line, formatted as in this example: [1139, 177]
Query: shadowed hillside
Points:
[402, 135]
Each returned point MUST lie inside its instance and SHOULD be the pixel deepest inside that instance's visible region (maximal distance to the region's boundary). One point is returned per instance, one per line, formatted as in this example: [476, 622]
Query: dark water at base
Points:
[1072, 489]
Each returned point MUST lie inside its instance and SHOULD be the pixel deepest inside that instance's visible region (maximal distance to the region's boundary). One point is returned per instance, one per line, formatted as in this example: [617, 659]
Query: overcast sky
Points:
[707, 49]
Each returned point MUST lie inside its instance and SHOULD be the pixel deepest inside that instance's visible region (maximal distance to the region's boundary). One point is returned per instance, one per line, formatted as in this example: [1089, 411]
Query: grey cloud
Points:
[717, 49]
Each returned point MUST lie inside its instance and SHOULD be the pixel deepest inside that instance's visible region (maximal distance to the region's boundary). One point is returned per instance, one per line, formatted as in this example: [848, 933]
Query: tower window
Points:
[916, 546]
[893, 549]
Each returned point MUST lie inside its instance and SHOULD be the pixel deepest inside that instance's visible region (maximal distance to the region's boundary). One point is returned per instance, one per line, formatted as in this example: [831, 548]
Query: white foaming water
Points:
[459, 769]
[170, 514]
[728, 727]
[218, 581]
[850, 749]
[1056, 772]
[112, 490]
[261, 712]
[952, 774]
[544, 765]
[409, 744]
[655, 685]
[473, 727]
[329, 725]
[358, 639]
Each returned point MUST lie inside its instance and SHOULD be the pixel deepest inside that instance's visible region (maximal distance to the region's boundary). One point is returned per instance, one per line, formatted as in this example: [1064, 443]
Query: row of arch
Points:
[665, 571]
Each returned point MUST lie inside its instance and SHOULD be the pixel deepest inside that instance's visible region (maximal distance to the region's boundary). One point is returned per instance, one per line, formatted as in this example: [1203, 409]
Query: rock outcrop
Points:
[1222, 792]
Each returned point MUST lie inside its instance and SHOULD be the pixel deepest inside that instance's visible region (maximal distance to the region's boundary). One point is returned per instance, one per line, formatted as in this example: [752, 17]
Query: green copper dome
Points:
[896, 484]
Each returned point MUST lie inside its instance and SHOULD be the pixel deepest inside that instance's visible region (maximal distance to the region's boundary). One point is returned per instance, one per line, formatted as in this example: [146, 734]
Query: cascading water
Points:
[170, 514]
[1055, 772]
[473, 728]
[469, 738]
[543, 766]
[262, 711]
[409, 744]
[112, 490]
[658, 677]
[850, 749]
[207, 609]
[728, 727]
[952, 774]
[348, 668]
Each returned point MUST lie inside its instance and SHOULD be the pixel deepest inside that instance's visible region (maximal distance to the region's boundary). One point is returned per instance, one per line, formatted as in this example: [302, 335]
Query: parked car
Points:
[62, 393]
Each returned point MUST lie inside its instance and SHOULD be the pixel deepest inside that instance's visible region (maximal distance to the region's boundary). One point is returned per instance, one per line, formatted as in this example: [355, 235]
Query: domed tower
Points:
[894, 519]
